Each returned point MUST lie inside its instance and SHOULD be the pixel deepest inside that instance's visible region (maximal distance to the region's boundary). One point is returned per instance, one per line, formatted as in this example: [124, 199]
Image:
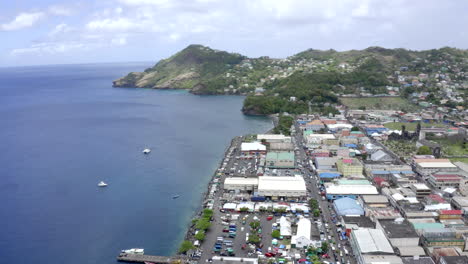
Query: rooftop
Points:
[398, 229]
[273, 137]
[437, 165]
[351, 189]
[372, 241]
[418, 260]
[451, 212]
[273, 183]
[372, 199]
[461, 200]
[411, 251]
[282, 155]
[241, 180]
[252, 146]
[455, 259]
[348, 206]
[421, 187]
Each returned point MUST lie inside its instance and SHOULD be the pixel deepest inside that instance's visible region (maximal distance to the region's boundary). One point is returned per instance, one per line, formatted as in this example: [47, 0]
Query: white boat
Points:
[138, 251]
[102, 184]
[146, 151]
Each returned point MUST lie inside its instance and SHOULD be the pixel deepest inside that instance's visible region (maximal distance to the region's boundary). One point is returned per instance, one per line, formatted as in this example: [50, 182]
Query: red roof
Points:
[437, 198]
[450, 212]
[447, 177]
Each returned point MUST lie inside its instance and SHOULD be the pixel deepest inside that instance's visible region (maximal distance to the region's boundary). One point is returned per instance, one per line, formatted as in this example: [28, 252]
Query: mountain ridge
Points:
[312, 76]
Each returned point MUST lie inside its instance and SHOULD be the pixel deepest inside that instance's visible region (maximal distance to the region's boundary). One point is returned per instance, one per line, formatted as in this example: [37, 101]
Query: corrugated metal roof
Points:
[372, 241]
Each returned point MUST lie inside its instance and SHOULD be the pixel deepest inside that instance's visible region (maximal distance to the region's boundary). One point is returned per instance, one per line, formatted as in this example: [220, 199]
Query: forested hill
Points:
[309, 79]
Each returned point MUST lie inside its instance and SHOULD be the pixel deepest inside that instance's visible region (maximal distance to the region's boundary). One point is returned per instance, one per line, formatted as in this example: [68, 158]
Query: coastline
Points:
[205, 195]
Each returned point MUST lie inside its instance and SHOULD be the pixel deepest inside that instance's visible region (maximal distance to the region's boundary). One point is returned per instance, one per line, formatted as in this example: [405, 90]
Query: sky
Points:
[41, 32]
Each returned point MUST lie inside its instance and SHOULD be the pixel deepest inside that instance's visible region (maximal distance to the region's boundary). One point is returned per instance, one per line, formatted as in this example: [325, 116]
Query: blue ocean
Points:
[64, 128]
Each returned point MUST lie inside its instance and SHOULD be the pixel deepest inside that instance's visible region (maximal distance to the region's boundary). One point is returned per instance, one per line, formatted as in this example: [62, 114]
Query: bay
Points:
[64, 128]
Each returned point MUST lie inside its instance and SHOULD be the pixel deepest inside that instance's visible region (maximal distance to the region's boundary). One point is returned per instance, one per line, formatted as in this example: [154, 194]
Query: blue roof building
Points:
[329, 175]
[347, 206]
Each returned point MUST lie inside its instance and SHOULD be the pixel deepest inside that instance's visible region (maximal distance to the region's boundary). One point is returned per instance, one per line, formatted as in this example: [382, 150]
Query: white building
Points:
[275, 186]
[302, 237]
[240, 184]
[371, 246]
[337, 191]
[285, 227]
[252, 147]
[426, 167]
[273, 138]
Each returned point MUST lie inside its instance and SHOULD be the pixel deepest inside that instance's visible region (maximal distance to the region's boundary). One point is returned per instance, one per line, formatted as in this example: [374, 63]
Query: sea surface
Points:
[64, 128]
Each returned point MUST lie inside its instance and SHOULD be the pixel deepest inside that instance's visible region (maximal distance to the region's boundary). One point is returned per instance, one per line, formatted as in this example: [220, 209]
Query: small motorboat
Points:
[175, 196]
[146, 151]
[138, 251]
[102, 184]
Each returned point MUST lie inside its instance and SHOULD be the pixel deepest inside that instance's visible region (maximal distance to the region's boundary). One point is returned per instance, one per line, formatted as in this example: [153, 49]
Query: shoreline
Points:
[205, 195]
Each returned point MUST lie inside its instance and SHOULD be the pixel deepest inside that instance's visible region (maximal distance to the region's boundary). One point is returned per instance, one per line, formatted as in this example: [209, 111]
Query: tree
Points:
[202, 224]
[313, 203]
[207, 213]
[362, 108]
[424, 150]
[275, 234]
[316, 213]
[244, 209]
[254, 239]
[200, 235]
[255, 224]
[324, 247]
[355, 128]
[185, 246]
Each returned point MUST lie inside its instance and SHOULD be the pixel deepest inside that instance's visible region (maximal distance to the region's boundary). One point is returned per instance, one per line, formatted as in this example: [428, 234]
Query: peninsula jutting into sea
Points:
[367, 162]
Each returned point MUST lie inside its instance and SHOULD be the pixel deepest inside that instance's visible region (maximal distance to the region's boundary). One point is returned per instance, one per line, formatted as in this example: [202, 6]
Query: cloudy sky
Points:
[36, 32]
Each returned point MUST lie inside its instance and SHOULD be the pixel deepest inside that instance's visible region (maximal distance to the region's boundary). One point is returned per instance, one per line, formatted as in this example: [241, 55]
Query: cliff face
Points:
[192, 68]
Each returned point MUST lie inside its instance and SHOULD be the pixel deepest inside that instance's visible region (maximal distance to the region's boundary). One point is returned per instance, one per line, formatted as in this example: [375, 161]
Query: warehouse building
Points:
[280, 160]
[347, 206]
[253, 148]
[241, 184]
[399, 232]
[371, 246]
[352, 191]
[275, 186]
[427, 167]
[273, 138]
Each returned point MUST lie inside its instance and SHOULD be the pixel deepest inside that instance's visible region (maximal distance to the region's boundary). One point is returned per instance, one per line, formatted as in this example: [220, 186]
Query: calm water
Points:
[64, 128]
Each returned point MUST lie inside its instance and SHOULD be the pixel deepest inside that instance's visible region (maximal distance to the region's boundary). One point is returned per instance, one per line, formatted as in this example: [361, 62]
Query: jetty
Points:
[138, 258]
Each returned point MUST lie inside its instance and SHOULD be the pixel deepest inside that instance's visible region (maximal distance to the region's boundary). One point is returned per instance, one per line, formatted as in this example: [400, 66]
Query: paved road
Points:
[325, 206]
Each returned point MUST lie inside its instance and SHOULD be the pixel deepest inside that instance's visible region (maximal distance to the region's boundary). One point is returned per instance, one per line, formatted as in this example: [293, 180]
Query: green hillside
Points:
[312, 79]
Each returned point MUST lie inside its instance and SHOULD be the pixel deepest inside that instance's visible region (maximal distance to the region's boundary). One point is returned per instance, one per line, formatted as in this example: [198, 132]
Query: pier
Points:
[137, 258]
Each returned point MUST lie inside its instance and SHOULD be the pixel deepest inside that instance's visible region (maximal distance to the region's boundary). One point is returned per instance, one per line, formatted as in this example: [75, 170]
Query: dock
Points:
[138, 258]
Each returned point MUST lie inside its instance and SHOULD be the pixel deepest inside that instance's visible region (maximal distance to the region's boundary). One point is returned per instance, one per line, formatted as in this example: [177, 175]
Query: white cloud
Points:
[47, 48]
[23, 20]
[60, 29]
[60, 11]
[110, 24]
[145, 2]
[120, 41]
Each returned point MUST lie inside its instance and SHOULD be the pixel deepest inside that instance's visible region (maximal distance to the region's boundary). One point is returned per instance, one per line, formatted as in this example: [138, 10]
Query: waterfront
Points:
[70, 130]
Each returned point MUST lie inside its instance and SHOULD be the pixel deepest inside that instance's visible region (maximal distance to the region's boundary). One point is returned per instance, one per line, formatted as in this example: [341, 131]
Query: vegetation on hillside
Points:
[308, 81]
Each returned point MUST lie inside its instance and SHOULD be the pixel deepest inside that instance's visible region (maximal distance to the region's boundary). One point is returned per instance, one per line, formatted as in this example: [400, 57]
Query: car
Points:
[268, 255]
[269, 218]
[225, 230]
[326, 255]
